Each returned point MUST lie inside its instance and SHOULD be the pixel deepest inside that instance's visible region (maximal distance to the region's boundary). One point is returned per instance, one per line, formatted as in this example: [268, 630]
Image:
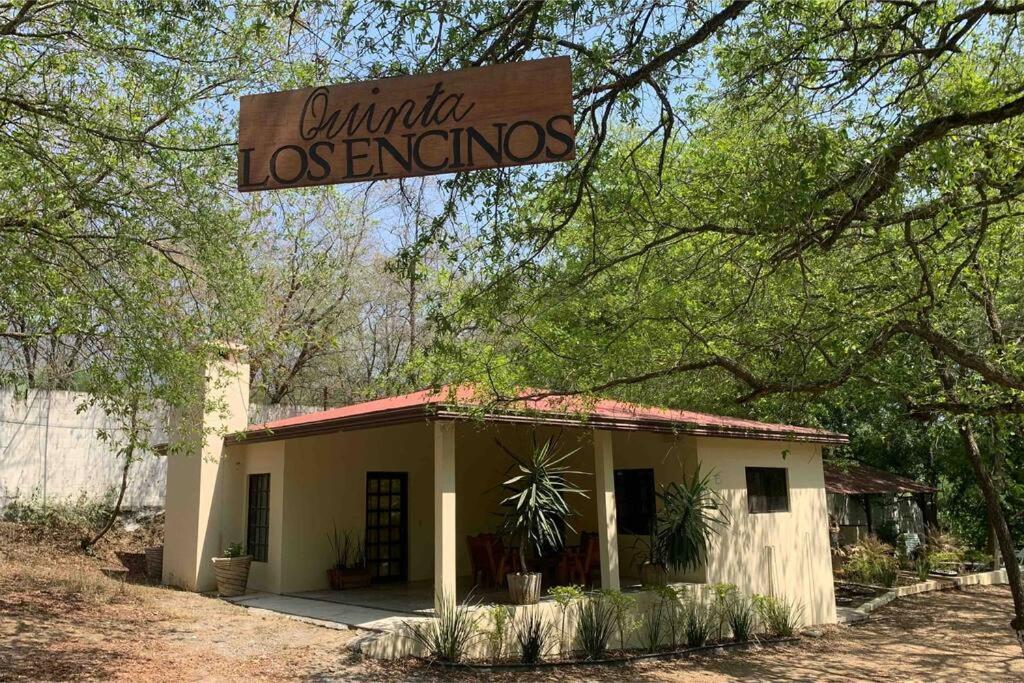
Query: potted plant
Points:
[349, 570]
[535, 511]
[688, 516]
[232, 571]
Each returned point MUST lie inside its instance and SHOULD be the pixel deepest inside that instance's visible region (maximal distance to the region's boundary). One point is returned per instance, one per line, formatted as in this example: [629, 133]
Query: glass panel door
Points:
[387, 499]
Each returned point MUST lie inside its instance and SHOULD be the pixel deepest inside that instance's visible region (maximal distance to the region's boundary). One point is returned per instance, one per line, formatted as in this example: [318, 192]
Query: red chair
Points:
[585, 561]
[488, 560]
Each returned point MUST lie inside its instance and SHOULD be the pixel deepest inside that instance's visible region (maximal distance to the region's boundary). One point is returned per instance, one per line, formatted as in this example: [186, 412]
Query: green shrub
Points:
[872, 562]
[595, 623]
[565, 597]
[922, 567]
[698, 623]
[447, 636]
[652, 626]
[689, 516]
[83, 512]
[741, 617]
[234, 550]
[977, 557]
[501, 616]
[621, 604]
[779, 618]
[531, 633]
[723, 593]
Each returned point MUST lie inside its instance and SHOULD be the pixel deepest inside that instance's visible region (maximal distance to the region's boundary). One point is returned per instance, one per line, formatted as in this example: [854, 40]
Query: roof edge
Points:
[447, 412]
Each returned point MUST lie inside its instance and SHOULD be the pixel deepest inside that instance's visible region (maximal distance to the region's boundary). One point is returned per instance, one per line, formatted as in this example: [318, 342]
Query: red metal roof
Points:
[855, 480]
[534, 407]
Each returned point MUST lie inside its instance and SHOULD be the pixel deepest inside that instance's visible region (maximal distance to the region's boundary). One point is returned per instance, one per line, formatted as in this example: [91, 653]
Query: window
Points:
[259, 517]
[634, 500]
[767, 489]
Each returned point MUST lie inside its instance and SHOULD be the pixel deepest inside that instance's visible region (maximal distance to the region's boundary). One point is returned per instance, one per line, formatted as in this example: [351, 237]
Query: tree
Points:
[770, 200]
[309, 264]
[120, 252]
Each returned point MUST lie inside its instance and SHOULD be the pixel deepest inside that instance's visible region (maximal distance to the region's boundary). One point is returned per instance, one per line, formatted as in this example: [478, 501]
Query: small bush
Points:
[922, 567]
[447, 636]
[532, 635]
[779, 618]
[741, 617]
[565, 597]
[652, 627]
[595, 623]
[501, 616]
[81, 513]
[621, 604]
[698, 623]
[872, 562]
[723, 593]
[672, 613]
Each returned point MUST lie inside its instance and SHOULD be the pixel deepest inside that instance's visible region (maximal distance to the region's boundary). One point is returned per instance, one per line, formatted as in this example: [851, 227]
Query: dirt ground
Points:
[60, 618]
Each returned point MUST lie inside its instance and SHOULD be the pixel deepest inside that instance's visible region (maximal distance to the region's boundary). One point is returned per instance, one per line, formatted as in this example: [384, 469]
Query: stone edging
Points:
[625, 659]
[997, 577]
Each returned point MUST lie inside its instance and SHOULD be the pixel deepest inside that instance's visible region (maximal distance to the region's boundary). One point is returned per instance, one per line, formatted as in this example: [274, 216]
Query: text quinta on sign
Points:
[504, 115]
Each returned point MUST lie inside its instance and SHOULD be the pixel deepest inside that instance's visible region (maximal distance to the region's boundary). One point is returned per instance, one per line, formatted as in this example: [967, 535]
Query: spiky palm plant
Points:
[536, 507]
[689, 516]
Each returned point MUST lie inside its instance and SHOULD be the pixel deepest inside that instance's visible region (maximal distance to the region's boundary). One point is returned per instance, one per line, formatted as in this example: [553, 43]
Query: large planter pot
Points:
[155, 563]
[524, 589]
[232, 575]
[340, 579]
[653, 574]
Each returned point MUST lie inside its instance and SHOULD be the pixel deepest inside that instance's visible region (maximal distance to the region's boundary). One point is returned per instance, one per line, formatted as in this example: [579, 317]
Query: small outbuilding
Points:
[865, 500]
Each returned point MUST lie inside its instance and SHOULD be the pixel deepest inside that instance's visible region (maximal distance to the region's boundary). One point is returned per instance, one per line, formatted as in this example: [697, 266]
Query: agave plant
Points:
[689, 516]
[535, 507]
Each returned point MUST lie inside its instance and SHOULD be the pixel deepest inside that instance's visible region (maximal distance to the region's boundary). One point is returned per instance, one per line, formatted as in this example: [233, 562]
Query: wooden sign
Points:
[487, 117]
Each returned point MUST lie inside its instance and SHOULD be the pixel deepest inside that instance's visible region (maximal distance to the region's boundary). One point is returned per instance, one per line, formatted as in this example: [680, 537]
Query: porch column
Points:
[444, 510]
[607, 527]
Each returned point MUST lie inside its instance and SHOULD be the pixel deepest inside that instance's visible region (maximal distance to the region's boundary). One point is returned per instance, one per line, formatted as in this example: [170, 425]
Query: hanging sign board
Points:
[487, 117]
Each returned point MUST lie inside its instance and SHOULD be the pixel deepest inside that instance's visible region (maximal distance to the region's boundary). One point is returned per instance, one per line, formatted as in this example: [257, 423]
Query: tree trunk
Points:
[128, 452]
[116, 511]
[999, 527]
[993, 506]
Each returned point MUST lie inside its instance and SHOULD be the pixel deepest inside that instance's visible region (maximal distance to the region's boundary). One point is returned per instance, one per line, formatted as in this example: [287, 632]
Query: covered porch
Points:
[417, 496]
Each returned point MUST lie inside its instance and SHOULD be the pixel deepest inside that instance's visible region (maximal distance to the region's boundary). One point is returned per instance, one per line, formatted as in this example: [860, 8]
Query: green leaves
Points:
[689, 516]
[536, 506]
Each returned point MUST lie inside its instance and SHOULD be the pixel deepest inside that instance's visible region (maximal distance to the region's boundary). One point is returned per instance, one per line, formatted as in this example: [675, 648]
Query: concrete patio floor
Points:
[326, 612]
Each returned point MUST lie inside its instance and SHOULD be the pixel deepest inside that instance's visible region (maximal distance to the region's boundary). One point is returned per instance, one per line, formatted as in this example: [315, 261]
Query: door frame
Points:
[404, 525]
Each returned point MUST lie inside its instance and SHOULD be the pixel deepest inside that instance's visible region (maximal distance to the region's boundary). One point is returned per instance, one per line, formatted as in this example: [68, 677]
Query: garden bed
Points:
[855, 594]
[616, 657]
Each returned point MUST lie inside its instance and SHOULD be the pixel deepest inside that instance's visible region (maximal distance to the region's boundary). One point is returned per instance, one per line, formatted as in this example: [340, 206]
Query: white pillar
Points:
[444, 510]
[193, 516]
[607, 527]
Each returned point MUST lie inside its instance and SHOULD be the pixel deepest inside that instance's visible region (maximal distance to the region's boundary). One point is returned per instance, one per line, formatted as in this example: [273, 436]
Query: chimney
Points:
[195, 478]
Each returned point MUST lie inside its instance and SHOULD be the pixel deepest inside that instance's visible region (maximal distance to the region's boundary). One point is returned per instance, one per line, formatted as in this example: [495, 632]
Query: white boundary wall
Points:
[48, 447]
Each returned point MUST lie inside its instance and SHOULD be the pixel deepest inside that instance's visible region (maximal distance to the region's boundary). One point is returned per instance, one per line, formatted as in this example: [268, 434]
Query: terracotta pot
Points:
[340, 579]
[232, 575]
[524, 589]
[155, 563]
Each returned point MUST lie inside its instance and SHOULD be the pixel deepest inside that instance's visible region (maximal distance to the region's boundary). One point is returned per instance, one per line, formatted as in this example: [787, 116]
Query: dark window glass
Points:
[634, 501]
[387, 525]
[767, 489]
[259, 517]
